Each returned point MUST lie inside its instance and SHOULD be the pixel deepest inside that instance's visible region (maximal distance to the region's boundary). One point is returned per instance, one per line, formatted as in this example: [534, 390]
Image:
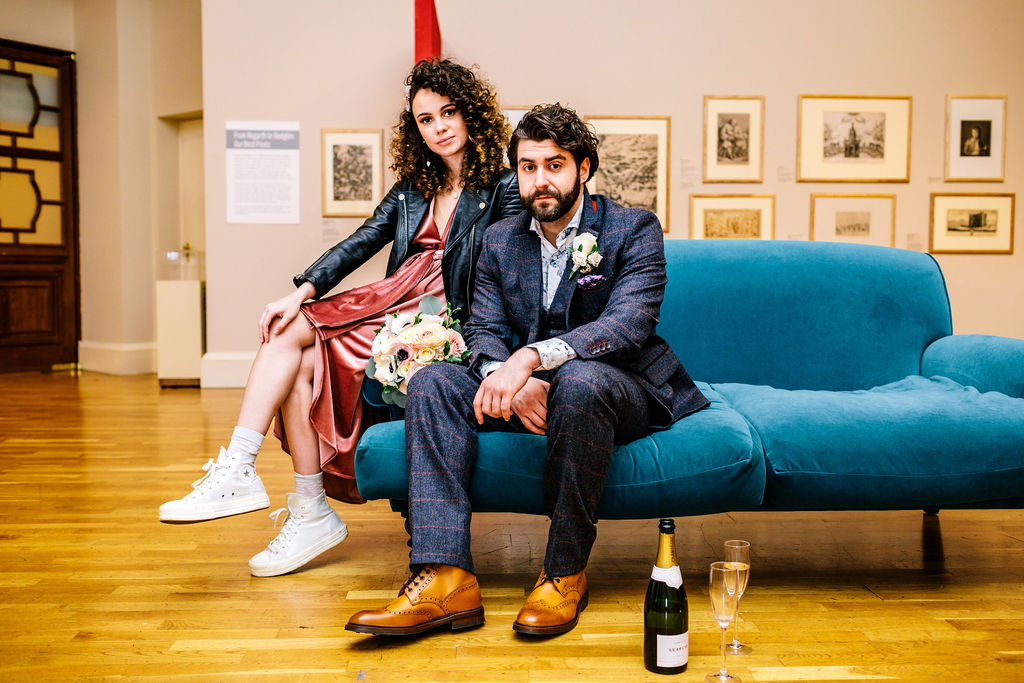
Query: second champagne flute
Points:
[722, 585]
[739, 552]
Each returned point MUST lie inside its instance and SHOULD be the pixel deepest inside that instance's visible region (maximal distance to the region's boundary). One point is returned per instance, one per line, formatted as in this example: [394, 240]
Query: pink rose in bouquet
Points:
[407, 343]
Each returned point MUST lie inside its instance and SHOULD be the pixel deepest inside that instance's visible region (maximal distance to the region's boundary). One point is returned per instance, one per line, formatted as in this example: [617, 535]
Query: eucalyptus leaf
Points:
[398, 398]
[371, 368]
[431, 305]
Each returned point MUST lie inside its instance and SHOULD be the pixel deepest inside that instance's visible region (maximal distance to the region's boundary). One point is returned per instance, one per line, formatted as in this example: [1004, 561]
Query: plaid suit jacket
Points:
[613, 322]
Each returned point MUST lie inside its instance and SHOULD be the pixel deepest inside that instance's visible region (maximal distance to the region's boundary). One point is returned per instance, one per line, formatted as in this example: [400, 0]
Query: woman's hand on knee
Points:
[277, 315]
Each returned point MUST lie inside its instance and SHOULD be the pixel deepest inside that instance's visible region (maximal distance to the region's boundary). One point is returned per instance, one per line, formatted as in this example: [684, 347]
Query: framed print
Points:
[634, 154]
[971, 223]
[732, 216]
[515, 114]
[351, 170]
[856, 218]
[733, 139]
[975, 138]
[853, 139]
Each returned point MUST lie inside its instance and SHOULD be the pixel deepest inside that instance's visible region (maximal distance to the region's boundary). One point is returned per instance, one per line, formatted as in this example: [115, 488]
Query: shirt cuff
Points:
[489, 367]
[553, 353]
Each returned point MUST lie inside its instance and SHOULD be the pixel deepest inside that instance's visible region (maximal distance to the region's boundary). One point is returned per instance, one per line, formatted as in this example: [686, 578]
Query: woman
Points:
[447, 156]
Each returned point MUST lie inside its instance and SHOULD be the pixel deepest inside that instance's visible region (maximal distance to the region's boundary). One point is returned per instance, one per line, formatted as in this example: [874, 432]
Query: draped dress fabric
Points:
[345, 325]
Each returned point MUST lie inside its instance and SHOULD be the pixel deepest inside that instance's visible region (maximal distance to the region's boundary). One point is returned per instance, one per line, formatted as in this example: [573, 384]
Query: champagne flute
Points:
[723, 585]
[739, 551]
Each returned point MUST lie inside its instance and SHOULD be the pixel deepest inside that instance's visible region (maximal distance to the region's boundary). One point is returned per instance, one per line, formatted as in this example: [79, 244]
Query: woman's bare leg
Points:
[303, 441]
[273, 374]
[311, 527]
[231, 485]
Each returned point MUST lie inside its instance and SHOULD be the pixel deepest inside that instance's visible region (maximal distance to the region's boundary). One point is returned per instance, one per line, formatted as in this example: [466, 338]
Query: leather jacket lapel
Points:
[467, 210]
[409, 221]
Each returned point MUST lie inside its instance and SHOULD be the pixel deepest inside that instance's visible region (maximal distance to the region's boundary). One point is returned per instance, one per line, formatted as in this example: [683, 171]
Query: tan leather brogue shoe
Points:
[553, 606]
[436, 595]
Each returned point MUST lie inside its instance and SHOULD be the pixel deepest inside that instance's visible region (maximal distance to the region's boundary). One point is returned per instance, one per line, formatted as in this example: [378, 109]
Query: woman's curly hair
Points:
[488, 130]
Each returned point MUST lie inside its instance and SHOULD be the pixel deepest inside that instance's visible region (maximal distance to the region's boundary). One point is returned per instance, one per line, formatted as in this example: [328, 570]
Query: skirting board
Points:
[117, 359]
[225, 369]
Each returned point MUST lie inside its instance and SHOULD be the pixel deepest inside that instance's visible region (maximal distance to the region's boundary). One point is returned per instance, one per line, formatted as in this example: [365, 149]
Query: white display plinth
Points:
[179, 332]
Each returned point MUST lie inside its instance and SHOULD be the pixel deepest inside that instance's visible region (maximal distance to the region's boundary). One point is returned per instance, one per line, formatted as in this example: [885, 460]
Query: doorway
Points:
[40, 318]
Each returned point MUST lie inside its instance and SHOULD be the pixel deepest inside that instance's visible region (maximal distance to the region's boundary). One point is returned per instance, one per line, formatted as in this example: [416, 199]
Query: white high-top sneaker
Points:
[230, 487]
[310, 528]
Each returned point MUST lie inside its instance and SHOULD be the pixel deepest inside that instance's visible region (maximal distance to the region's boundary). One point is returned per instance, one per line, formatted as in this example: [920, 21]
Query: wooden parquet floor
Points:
[93, 587]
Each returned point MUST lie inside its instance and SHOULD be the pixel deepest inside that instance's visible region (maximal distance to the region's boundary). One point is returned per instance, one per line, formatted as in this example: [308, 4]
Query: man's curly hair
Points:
[488, 130]
[561, 125]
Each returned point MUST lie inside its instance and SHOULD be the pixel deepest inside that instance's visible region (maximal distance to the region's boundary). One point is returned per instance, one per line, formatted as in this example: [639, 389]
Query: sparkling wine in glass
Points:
[738, 551]
[723, 586]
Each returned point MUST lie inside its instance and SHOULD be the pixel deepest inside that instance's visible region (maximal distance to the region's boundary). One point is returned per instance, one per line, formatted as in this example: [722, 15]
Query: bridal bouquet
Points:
[405, 343]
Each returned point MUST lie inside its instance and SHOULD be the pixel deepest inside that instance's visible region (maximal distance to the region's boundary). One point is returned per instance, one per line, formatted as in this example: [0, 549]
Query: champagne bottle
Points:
[666, 615]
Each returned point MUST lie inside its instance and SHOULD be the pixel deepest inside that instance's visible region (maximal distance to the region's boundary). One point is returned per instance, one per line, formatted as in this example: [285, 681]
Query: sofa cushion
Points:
[707, 462]
[917, 442]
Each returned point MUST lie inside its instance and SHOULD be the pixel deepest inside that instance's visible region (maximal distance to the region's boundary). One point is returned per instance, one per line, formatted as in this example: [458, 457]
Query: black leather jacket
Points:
[396, 220]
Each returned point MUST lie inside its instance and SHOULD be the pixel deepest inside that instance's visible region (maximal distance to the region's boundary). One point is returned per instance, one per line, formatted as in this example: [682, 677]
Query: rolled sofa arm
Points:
[982, 361]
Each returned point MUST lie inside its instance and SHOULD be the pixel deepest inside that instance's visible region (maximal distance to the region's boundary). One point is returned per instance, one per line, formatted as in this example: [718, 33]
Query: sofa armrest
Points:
[371, 393]
[982, 361]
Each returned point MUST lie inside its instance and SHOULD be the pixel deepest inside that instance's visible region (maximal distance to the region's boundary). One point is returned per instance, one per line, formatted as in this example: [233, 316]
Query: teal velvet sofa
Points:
[835, 384]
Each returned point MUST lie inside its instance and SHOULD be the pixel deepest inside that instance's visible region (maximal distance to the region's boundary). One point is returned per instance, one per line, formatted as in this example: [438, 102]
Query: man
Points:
[591, 374]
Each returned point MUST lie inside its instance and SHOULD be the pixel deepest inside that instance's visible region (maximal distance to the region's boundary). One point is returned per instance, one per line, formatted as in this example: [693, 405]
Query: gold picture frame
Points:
[975, 138]
[733, 143]
[732, 216]
[351, 171]
[853, 218]
[634, 161]
[853, 138]
[514, 114]
[965, 223]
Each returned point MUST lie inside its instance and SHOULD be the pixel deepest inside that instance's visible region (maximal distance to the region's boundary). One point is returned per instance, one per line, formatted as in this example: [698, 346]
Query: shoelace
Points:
[212, 470]
[288, 529]
[414, 580]
[557, 580]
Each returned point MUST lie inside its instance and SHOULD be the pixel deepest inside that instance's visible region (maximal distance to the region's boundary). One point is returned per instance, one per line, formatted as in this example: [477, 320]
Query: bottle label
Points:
[670, 576]
[673, 650]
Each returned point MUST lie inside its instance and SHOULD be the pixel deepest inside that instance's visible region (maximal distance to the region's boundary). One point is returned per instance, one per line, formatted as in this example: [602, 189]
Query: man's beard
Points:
[563, 202]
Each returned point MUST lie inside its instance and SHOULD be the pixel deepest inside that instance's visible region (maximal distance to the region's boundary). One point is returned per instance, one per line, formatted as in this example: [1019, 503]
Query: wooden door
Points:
[39, 285]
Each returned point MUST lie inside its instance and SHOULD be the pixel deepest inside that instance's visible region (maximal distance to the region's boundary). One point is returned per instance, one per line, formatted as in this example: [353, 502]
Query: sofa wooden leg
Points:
[931, 511]
[933, 556]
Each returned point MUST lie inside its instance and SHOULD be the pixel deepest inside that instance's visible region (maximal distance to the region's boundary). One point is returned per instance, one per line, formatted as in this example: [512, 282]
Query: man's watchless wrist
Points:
[529, 357]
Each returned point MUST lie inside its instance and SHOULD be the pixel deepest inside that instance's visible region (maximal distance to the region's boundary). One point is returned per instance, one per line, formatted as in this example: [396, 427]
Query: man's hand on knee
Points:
[494, 397]
[531, 405]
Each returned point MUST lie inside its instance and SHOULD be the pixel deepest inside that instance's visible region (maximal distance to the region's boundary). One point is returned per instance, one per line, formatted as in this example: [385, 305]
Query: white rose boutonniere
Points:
[585, 256]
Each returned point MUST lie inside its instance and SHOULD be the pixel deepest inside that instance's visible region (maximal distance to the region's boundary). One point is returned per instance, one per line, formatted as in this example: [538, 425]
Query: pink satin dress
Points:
[345, 325]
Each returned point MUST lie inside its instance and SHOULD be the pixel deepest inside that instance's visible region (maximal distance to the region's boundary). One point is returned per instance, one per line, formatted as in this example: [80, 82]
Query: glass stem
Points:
[723, 674]
[736, 626]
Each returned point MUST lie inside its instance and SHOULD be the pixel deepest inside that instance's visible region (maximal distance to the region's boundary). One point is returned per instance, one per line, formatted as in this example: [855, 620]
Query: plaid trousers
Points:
[591, 407]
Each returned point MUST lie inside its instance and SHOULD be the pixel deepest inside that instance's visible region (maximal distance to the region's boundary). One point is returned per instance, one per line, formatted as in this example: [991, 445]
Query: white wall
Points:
[136, 60]
[40, 22]
[326, 63]
[340, 63]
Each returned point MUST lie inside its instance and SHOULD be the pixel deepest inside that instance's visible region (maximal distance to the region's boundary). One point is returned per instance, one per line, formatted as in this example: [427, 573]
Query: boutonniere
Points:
[585, 256]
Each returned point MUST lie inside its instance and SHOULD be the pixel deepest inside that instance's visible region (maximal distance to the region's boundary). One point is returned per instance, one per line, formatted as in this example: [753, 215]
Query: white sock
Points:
[245, 444]
[309, 485]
